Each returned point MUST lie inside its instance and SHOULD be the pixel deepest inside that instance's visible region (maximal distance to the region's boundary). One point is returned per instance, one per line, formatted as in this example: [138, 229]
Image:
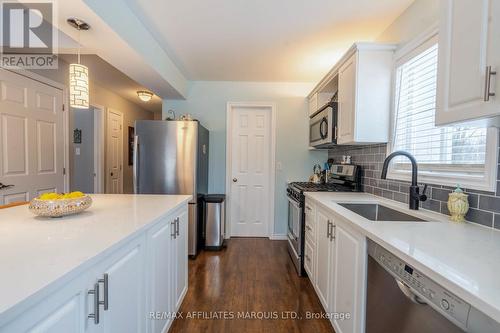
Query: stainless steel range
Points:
[343, 178]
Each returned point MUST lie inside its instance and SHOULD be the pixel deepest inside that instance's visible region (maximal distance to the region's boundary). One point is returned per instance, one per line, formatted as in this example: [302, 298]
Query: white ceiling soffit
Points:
[137, 54]
[262, 40]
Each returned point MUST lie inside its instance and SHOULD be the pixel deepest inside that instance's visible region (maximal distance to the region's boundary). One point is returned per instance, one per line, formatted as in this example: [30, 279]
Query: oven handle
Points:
[293, 202]
[410, 294]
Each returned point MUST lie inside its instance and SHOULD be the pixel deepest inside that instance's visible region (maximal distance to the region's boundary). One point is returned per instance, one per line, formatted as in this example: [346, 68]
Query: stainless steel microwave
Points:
[323, 126]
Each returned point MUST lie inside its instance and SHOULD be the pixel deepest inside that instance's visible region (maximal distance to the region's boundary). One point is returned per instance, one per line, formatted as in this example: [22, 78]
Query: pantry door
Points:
[251, 166]
[31, 138]
[114, 159]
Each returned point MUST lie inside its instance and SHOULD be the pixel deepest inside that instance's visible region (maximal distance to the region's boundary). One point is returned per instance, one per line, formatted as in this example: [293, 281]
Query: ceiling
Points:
[262, 40]
[111, 78]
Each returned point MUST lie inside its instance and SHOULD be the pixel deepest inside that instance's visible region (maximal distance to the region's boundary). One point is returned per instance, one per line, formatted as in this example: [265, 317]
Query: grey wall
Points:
[484, 206]
[82, 177]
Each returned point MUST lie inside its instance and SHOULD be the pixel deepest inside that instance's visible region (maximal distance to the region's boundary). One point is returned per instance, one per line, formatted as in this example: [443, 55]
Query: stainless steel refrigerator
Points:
[171, 157]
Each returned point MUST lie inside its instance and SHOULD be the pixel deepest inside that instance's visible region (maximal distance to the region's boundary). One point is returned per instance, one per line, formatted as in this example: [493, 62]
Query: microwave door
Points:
[321, 128]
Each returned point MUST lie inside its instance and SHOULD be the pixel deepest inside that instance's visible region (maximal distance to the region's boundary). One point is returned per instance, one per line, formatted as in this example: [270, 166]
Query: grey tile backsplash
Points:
[484, 206]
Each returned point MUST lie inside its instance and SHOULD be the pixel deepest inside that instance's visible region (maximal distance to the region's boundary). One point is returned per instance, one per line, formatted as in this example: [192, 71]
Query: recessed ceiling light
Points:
[145, 95]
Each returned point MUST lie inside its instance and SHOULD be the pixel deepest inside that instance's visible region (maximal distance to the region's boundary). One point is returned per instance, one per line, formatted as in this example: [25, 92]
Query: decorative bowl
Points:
[60, 207]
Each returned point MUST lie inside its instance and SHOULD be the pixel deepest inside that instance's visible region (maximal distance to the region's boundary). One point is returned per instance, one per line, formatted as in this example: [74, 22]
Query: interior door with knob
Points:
[31, 138]
[114, 152]
[250, 159]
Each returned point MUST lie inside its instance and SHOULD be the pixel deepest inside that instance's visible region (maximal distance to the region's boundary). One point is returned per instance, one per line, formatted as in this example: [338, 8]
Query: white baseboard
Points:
[278, 237]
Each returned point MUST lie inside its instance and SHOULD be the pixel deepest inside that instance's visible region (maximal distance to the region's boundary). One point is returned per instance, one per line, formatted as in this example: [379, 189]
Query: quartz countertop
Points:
[462, 257]
[35, 252]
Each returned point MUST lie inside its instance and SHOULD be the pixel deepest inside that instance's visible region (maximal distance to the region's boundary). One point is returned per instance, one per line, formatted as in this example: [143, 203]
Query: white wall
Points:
[207, 101]
[417, 18]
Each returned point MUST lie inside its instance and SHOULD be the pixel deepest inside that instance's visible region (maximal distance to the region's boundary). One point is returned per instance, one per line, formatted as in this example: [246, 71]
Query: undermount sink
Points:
[376, 212]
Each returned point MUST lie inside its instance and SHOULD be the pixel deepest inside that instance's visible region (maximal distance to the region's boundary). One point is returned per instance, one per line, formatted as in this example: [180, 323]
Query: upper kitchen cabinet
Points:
[469, 57]
[361, 84]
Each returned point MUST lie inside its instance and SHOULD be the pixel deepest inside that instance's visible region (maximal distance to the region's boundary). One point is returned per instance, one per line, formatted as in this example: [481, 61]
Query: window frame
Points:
[437, 176]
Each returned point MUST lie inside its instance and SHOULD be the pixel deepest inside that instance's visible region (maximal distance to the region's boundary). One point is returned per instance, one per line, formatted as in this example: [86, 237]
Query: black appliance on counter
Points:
[343, 178]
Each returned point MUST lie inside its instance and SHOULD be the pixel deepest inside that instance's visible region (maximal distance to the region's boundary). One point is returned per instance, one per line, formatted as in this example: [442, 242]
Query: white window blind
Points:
[450, 150]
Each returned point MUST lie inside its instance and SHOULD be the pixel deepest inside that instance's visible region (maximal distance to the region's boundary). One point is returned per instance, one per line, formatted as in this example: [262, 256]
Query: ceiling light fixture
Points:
[78, 73]
[145, 95]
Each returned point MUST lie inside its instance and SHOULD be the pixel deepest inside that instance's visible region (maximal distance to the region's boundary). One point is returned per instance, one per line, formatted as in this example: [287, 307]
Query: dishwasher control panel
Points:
[433, 294]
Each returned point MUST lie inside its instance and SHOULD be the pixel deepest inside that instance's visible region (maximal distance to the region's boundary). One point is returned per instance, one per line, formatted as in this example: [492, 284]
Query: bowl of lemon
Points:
[60, 204]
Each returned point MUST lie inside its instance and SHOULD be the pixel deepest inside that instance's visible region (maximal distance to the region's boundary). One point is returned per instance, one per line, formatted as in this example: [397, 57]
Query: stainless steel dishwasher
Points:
[403, 300]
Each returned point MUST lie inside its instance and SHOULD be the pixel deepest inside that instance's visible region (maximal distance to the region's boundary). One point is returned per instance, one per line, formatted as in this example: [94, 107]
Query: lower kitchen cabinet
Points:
[118, 293]
[339, 278]
[324, 257]
[348, 277]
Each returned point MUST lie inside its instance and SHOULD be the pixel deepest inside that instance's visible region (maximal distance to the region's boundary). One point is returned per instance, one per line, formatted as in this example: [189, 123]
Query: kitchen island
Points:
[101, 268]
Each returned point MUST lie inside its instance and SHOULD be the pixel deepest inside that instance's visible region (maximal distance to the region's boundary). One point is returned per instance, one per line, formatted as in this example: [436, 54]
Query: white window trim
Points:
[486, 183]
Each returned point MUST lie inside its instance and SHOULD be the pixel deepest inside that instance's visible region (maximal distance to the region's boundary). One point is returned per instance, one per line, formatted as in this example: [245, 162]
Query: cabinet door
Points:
[161, 275]
[469, 41]
[62, 310]
[323, 258]
[181, 259]
[309, 259]
[349, 276]
[347, 95]
[125, 289]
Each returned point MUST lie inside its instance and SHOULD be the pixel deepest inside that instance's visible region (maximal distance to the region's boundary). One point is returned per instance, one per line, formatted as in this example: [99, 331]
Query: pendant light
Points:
[78, 73]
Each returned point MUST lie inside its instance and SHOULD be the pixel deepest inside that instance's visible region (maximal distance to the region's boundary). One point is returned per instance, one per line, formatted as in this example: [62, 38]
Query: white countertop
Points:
[35, 252]
[462, 257]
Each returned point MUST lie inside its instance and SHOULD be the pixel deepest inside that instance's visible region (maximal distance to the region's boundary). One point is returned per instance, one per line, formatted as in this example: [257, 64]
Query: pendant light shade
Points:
[78, 86]
[78, 73]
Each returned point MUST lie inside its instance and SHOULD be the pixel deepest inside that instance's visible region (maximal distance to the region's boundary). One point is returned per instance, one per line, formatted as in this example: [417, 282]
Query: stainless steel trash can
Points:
[215, 220]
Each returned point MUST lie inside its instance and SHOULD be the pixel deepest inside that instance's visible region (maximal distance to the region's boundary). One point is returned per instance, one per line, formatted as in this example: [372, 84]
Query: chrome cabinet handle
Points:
[332, 233]
[174, 234]
[328, 230]
[177, 227]
[487, 84]
[105, 282]
[336, 132]
[308, 228]
[308, 208]
[95, 292]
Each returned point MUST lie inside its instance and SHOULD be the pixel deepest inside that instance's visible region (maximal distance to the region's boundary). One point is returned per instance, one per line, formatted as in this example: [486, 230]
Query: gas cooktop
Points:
[313, 187]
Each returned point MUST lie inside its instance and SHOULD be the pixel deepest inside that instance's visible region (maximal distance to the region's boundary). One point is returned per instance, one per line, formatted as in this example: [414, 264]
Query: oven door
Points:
[295, 211]
[322, 130]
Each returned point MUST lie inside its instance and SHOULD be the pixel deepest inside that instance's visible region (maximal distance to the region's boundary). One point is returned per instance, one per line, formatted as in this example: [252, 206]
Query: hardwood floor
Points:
[252, 276]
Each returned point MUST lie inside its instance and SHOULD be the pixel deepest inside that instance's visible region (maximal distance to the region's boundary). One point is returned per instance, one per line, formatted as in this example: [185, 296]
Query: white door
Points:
[469, 42]
[348, 279]
[31, 138]
[250, 192]
[323, 257]
[347, 95]
[114, 152]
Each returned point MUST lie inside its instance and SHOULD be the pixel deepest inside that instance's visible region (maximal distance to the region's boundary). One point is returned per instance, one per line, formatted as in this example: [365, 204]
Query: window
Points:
[446, 155]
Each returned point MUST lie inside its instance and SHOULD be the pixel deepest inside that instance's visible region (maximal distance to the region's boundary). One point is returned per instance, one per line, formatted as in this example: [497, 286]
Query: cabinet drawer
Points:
[310, 222]
[309, 259]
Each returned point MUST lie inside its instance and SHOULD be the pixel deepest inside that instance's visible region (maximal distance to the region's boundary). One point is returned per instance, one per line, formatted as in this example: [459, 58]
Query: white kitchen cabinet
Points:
[181, 259]
[324, 257]
[125, 271]
[469, 44]
[62, 310]
[347, 93]
[348, 276]
[309, 258]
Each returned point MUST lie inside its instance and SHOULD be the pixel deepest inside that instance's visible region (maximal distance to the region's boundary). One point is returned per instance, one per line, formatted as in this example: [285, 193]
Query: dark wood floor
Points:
[250, 276]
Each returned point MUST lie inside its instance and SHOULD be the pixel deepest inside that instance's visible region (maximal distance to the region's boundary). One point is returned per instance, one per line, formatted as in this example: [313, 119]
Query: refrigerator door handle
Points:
[136, 164]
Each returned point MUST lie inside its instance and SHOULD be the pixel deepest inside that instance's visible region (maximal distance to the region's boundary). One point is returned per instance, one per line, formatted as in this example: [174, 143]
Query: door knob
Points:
[2, 186]
[111, 174]
[235, 180]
